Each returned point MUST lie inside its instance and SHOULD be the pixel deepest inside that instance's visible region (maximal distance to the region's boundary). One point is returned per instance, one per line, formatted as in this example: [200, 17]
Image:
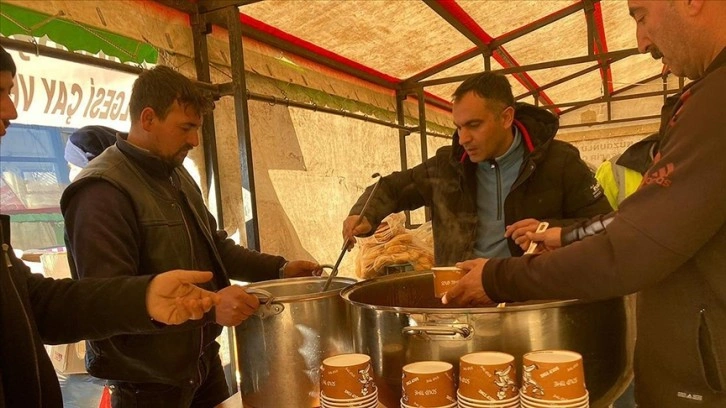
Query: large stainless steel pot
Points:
[397, 320]
[282, 347]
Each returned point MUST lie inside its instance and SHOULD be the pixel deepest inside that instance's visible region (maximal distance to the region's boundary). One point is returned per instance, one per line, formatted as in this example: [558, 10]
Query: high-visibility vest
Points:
[617, 181]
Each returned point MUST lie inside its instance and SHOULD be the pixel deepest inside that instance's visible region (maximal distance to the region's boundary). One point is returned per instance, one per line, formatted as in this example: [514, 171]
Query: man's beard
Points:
[655, 53]
[178, 159]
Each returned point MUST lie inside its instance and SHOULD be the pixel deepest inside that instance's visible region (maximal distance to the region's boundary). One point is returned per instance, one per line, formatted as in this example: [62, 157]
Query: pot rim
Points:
[302, 280]
[346, 292]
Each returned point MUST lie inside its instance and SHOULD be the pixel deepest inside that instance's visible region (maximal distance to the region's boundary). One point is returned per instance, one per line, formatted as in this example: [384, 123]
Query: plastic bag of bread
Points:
[391, 244]
[392, 225]
[424, 236]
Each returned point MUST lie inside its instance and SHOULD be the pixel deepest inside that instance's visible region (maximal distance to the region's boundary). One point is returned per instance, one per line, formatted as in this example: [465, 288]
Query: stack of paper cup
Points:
[428, 384]
[487, 379]
[346, 380]
[553, 378]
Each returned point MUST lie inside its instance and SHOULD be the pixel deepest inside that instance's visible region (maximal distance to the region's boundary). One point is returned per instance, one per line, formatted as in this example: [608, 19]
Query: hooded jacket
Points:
[36, 310]
[666, 242]
[553, 185]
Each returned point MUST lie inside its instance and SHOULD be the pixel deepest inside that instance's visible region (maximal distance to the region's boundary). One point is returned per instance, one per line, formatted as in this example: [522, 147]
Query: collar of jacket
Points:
[538, 127]
[144, 159]
[639, 155]
[717, 63]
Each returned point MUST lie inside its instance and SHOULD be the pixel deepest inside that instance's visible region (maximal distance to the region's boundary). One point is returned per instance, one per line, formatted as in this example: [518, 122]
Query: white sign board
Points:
[594, 152]
[58, 93]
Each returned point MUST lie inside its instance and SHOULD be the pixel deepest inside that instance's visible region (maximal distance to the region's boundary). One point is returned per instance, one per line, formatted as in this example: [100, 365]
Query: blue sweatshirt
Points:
[494, 181]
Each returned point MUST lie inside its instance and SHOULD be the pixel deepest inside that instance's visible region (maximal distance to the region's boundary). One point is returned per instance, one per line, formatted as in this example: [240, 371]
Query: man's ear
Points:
[147, 118]
[508, 116]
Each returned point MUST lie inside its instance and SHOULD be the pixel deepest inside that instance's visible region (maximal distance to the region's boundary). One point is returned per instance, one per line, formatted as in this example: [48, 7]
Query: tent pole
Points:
[200, 29]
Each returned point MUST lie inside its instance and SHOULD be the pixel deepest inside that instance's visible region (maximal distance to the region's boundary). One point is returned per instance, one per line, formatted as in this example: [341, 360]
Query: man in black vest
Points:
[135, 210]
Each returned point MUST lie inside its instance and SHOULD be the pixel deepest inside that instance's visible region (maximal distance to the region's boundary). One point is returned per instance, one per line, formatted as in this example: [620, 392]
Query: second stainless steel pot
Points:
[282, 347]
[397, 320]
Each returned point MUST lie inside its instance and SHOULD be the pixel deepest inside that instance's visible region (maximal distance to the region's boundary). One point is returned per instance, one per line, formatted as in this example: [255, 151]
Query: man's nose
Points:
[193, 138]
[464, 136]
[7, 109]
[644, 42]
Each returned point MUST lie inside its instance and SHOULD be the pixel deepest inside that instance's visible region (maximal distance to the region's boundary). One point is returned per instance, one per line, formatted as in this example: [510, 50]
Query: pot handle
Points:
[267, 306]
[437, 331]
[324, 267]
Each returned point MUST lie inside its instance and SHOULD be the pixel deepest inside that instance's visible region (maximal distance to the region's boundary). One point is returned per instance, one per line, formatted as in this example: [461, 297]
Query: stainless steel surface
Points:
[281, 351]
[397, 320]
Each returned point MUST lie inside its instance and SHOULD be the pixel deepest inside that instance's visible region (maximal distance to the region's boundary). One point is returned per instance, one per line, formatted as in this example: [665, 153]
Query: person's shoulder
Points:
[701, 103]
[444, 151]
[560, 147]
[712, 86]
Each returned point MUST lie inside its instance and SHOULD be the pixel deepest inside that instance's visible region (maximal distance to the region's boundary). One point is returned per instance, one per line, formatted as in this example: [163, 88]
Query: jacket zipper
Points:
[495, 166]
[27, 322]
[189, 237]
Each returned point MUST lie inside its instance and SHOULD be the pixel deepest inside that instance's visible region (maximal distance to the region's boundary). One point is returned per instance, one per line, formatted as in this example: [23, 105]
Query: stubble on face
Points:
[177, 159]
[177, 124]
[670, 35]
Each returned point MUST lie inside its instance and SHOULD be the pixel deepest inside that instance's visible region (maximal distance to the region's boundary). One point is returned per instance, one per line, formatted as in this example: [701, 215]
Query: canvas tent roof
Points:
[575, 57]
[404, 44]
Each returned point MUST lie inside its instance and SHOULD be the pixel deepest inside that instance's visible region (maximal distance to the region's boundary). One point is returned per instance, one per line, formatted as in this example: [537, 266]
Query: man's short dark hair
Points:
[487, 85]
[159, 87]
[6, 62]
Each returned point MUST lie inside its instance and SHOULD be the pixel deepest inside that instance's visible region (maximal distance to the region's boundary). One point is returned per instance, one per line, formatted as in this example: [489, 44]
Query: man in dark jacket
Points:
[666, 241]
[135, 210]
[36, 310]
[503, 173]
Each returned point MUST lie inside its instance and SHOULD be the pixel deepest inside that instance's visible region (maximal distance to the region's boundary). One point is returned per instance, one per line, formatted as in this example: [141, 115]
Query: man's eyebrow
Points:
[634, 10]
[468, 122]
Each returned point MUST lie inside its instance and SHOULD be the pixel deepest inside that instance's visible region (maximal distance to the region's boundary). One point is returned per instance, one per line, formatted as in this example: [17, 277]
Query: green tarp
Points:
[74, 36]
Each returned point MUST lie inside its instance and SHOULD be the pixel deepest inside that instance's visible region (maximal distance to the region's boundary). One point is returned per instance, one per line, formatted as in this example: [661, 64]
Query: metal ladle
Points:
[334, 272]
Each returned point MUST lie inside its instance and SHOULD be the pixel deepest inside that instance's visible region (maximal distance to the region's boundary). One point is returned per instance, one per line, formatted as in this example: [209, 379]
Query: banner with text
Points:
[594, 152]
[54, 92]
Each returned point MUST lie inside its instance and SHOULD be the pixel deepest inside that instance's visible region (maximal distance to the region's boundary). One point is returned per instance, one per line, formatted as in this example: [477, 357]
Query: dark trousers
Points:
[211, 392]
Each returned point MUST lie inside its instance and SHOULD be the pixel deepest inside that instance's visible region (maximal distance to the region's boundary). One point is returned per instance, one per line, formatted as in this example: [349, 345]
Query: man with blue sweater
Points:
[503, 173]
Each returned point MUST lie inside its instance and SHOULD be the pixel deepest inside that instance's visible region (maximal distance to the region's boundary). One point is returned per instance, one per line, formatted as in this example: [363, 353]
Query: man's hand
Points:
[173, 297]
[548, 240]
[469, 291]
[518, 232]
[235, 306]
[294, 269]
[350, 230]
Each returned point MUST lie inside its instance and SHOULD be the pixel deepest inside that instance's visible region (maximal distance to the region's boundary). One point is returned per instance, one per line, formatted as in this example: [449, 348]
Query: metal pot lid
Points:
[302, 289]
[412, 292]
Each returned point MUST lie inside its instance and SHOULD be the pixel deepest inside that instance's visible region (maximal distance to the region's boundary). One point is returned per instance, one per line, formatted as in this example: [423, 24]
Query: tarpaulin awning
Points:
[74, 36]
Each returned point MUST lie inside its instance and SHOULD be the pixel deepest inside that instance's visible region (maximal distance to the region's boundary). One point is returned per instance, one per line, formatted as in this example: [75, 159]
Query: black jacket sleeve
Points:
[401, 190]
[242, 263]
[583, 197]
[669, 220]
[67, 311]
